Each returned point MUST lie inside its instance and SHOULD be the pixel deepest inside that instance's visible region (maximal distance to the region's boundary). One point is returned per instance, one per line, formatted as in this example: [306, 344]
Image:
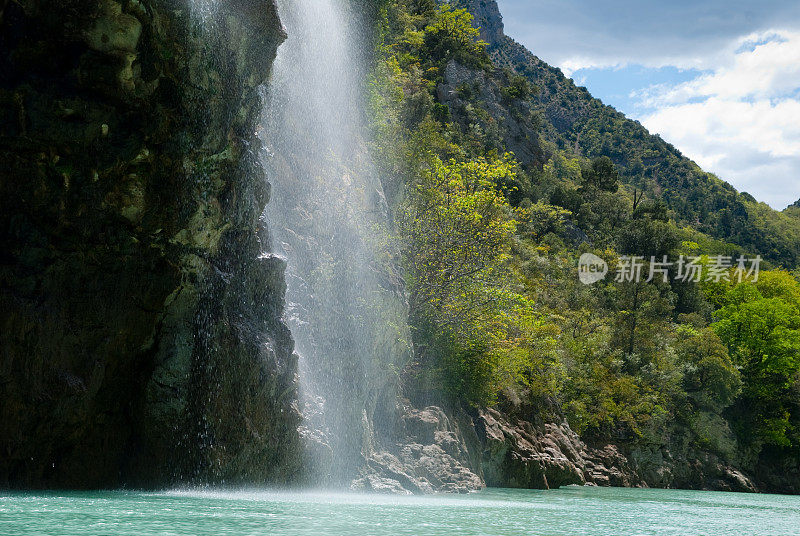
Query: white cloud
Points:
[688, 34]
[570, 65]
[741, 120]
[691, 60]
[769, 67]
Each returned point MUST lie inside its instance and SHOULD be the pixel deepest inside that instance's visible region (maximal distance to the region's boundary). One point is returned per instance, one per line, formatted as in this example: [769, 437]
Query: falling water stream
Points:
[325, 217]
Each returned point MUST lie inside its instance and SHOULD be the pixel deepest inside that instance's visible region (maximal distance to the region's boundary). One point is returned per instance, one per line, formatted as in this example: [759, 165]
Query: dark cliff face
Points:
[141, 334]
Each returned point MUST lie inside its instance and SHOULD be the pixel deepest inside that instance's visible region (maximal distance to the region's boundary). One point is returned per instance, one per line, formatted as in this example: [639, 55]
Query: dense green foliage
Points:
[760, 323]
[491, 242]
[580, 124]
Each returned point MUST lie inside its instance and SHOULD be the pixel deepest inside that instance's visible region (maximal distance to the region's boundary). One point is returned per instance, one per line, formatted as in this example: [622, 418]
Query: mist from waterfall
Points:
[327, 217]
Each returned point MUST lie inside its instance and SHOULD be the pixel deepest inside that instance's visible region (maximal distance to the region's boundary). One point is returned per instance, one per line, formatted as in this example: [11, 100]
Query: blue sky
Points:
[718, 79]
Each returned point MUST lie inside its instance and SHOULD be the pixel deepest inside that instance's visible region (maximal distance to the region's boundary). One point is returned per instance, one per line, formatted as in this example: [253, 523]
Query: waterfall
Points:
[328, 218]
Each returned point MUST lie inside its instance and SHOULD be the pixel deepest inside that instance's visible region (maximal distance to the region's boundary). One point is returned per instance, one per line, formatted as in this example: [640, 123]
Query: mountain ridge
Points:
[576, 121]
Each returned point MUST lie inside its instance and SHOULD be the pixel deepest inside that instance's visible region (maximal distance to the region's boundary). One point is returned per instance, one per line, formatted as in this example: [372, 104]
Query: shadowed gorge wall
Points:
[140, 326]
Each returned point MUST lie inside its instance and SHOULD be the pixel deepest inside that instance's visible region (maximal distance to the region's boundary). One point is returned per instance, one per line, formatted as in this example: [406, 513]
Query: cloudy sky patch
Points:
[719, 80]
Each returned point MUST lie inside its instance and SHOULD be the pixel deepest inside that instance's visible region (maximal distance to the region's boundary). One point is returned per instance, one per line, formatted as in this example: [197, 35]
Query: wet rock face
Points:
[141, 335]
[516, 455]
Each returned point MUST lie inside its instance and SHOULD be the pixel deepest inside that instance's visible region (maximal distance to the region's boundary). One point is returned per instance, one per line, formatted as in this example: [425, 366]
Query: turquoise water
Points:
[567, 511]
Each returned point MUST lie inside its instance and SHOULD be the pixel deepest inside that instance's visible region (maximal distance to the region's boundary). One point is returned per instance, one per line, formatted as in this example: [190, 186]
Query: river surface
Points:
[496, 512]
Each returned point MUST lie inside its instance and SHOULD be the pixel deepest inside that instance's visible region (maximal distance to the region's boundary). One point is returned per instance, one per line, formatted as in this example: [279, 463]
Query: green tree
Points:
[601, 174]
[451, 36]
[456, 229]
[761, 327]
[518, 88]
[710, 379]
[474, 330]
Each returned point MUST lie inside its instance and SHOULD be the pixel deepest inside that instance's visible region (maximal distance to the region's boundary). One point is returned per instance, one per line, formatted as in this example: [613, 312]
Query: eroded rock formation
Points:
[141, 338]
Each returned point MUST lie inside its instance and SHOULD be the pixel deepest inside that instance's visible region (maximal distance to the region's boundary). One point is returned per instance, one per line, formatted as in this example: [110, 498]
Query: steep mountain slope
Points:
[655, 371]
[573, 120]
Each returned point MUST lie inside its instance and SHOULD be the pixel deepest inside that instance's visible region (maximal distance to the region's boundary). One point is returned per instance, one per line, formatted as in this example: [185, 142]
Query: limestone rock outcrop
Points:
[487, 18]
[453, 450]
[474, 98]
[142, 340]
[432, 453]
[545, 453]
